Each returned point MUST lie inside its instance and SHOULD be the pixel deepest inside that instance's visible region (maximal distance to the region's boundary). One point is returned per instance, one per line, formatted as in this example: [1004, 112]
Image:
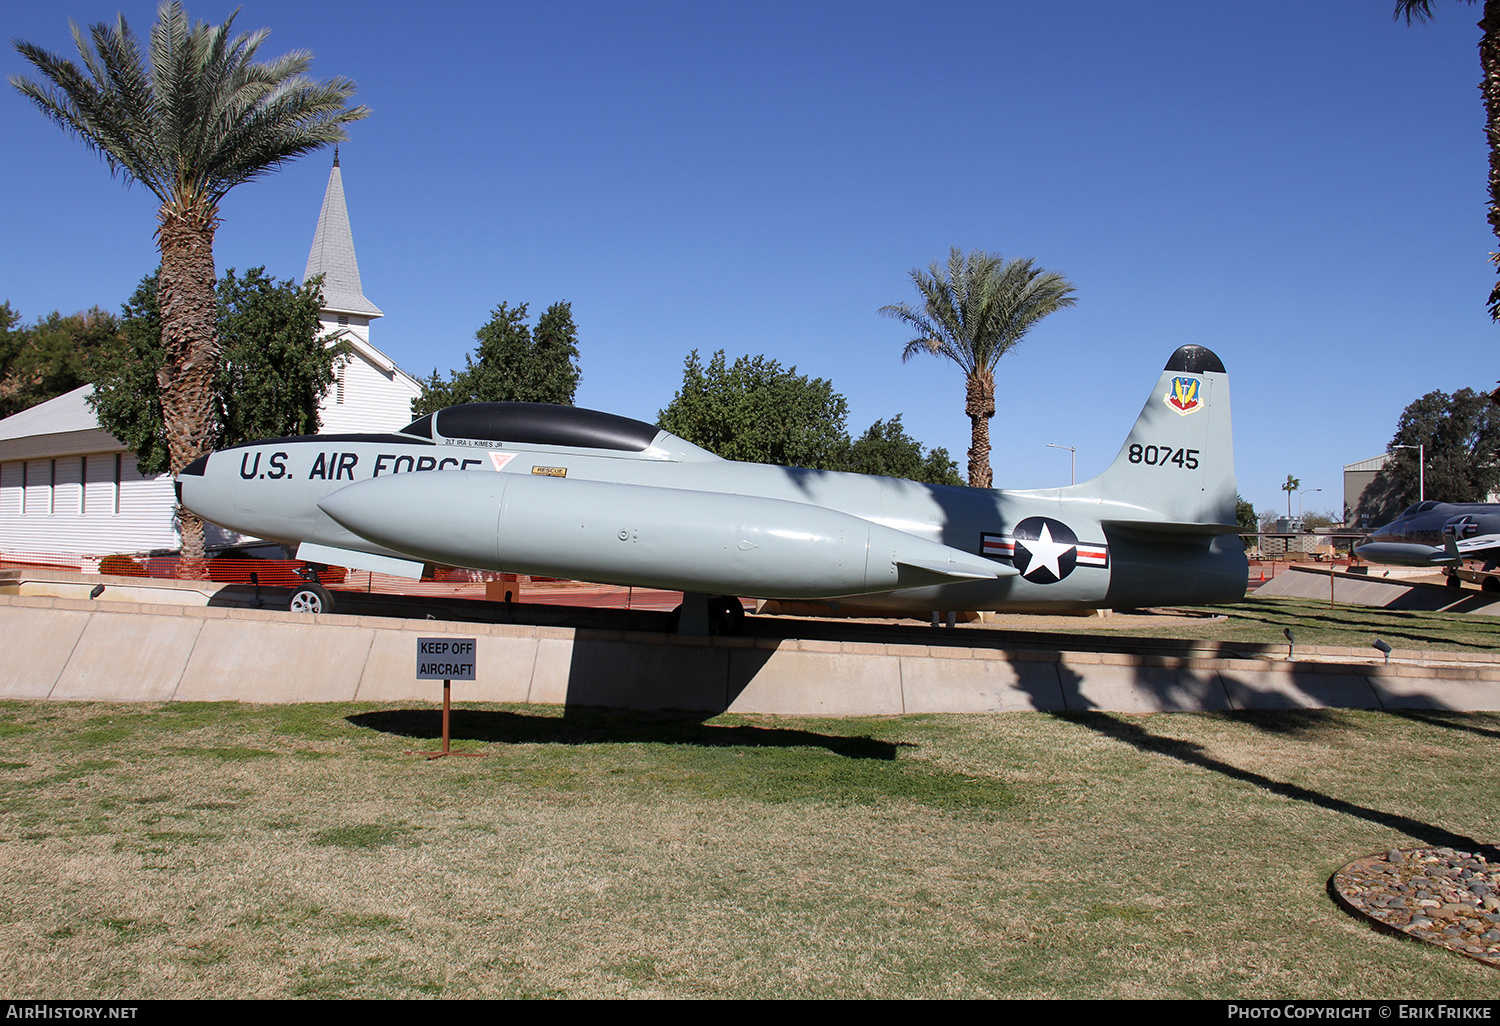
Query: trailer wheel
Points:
[310, 598]
[726, 614]
[1491, 584]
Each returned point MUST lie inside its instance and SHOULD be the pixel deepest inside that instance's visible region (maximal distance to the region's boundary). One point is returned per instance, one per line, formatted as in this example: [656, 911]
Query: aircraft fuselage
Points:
[1423, 533]
[575, 493]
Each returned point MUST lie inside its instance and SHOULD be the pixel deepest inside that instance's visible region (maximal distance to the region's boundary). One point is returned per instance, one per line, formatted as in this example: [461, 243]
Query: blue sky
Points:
[1299, 187]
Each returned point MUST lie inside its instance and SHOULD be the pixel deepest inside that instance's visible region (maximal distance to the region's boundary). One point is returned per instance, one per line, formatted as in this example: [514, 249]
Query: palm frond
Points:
[978, 307]
[195, 116]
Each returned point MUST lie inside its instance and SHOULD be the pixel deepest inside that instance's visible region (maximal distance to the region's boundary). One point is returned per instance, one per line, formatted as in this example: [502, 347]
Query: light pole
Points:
[1299, 501]
[1421, 468]
[1073, 475]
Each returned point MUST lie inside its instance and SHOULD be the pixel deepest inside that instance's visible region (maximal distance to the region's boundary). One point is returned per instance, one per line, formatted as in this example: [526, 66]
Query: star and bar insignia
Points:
[1044, 550]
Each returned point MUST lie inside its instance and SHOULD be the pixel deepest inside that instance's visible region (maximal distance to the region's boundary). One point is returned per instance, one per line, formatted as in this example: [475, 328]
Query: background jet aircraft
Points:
[1437, 534]
[572, 493]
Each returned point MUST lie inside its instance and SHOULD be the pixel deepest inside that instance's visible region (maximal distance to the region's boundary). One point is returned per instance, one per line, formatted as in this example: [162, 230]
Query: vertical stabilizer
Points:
[1179, 458]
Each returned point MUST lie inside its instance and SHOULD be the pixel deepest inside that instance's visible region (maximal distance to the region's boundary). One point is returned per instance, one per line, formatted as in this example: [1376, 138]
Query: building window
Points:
[117, 483]
[11, 489]
[83, 485]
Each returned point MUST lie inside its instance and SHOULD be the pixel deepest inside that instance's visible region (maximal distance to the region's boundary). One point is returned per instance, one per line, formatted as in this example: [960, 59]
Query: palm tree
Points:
[189, 121]
[1489, 87]
[1292, 484]
[975, 311]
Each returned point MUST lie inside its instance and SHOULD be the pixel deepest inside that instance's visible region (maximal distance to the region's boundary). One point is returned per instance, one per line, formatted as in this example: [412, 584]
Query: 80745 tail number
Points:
[1163, 455]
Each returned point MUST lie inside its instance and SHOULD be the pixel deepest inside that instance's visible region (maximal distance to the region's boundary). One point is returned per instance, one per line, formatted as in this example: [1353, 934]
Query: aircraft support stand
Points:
[695, 617]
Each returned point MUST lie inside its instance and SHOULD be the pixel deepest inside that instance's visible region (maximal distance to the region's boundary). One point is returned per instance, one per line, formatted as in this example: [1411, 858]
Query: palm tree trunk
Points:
[1489, 62]
[190, 338]
[980, 406]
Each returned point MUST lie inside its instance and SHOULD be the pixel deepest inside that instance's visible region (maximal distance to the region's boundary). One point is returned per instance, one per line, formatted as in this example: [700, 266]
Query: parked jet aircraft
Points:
[1437, 534]
[579, 494]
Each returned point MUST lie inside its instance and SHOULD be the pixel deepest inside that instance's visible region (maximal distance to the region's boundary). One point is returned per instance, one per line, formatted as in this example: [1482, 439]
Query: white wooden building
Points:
[69, 488]
[66, 487]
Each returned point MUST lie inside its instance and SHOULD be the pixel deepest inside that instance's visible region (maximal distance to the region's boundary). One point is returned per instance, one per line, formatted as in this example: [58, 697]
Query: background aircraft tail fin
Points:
[1178, 461]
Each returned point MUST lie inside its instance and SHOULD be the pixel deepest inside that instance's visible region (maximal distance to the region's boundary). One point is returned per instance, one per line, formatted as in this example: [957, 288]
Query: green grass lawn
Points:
[227, 850]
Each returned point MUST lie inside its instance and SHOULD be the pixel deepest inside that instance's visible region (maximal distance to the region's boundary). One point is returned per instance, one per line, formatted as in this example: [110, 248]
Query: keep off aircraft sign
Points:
[445, 659]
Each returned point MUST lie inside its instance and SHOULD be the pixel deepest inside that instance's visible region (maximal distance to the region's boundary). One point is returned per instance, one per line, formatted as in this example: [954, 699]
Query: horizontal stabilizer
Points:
[1174, 528]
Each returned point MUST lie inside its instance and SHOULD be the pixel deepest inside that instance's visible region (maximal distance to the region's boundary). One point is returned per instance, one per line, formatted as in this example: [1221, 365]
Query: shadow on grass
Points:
[1451, 721]
[1193, 754]
[592, 726]
[1291, 723]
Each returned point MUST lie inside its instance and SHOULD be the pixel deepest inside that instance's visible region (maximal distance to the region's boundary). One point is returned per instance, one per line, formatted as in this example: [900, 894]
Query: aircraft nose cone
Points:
[193, 491]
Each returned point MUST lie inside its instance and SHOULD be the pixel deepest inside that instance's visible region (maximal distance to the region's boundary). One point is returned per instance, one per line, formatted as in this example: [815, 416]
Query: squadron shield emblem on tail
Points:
[1184, 397]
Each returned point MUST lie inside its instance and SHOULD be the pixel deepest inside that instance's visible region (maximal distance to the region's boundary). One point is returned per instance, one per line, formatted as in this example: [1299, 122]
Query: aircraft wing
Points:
[1471, 548]
[966, 571]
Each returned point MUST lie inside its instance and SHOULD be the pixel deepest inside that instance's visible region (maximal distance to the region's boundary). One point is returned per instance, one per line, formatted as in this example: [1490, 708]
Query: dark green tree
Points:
[127, 395]
[757, 411]
[11, 341]
[553, 375]
[276, 366]
[190, 120]
[51, 357]
[512, 363]
[1489, 87]
[886, 449]
[1244, 513]
[1460, 439]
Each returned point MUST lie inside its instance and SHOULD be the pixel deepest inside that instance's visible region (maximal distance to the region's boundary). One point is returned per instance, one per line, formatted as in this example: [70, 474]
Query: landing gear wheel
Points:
[725, 614]
[310, 598]
[1454, 581]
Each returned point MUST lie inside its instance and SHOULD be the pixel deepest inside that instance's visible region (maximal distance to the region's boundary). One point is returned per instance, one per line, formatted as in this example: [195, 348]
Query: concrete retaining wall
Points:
[78, 650]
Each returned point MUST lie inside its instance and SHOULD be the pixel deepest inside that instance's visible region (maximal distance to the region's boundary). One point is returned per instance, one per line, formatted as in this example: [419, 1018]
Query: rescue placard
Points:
[445, 658]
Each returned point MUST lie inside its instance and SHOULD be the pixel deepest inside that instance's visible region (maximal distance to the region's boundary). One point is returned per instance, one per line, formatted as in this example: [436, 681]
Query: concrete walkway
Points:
[78, 650]
[1312, 582]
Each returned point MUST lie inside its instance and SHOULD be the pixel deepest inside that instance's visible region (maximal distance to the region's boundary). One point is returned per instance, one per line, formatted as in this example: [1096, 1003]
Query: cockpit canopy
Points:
[1419, 507]
[536, 424]
[544, 424]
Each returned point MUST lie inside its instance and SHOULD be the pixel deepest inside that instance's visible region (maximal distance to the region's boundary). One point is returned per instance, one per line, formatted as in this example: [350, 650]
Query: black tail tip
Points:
[1195, 360]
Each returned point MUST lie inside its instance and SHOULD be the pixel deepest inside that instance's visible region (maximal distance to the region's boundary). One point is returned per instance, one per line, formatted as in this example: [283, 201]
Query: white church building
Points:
[70, 491]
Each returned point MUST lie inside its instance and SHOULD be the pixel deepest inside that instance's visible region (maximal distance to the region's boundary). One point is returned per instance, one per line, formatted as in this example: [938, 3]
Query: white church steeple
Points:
[332, 256]
[370, 393]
